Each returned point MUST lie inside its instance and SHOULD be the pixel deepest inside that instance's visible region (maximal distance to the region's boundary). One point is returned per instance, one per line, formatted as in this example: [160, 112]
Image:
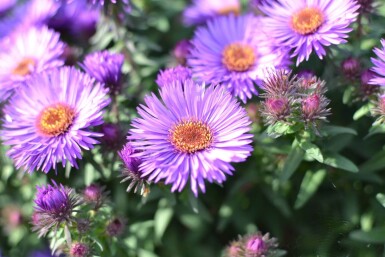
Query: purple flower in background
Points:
[49, 120]
[116, 227]
[28, 52]
[131, 172]
[366, 88]
[234, 51]
[54, 204]
[94, 195]
[201, 11]
[307, 25]
[191, 133]
[41, 253]
[113, 136]
[167, 76]
[106, 68]
[379, 65]
[5, 5]
[76, 19]
[181, 50]
[351, 68]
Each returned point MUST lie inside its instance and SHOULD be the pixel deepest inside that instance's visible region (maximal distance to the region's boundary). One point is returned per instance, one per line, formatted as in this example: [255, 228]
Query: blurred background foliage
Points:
[312, 209]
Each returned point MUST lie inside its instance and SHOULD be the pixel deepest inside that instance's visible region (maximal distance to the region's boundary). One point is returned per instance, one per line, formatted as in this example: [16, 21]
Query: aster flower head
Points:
[178, 74]
[49, 120]
[233, 51]
[276, 109]
[379, 65]
[190, 133]
[94, 195]
[314, 106]
[106, 68]
[351, 68]
[54, 204]
[79, 249]
[29, 52]
[308, 25]
[200, 11]
[131, 172]
[254, 245]
[278, 82]
[181, 50]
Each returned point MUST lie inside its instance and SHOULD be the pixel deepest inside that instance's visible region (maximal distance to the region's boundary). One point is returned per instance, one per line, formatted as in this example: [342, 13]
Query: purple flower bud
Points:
[115, 227]
[255, 246]
[278, 83]
[54, 205]
[234, 250]
[171, 75]
[92, 193]
[112, 136]
[181, 50]
[310, 104]
[366, 6]
[106, 68]
[366, 88]
[131, 172]
[351, 68]
[276, 109]
[79, 250]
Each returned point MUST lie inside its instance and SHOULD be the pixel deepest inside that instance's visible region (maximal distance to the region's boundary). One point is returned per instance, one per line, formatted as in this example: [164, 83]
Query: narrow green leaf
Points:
[162, 218]
[310, 183]
[381, 199]
[376, 235]
[337, 130]
[347, 96]
[377, 162]
[364, 110]
[338, 161]
[312, 151]
[293, 160]
[375, 130]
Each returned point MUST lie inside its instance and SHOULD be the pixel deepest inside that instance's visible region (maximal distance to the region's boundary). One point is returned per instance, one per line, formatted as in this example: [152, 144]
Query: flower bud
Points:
[255, 246]
[79, 250]
[112, 136]
[181, 50]
[366, 88]
[115, 227]
[276, 109]
[351, 68]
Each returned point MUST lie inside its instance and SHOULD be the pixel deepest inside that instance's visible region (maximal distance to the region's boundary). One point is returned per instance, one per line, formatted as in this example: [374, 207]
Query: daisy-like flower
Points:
[201, 11]
[49, 120]
[191, 133]
[54, 205]
[106, 68]
[379, 65]
[167, 76]
[234, 51]
[28, 52]
[307, 25]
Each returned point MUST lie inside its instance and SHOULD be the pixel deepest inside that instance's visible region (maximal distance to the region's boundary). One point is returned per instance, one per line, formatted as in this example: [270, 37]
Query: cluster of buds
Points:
[59, 209]
[294, 99]
[255, 245]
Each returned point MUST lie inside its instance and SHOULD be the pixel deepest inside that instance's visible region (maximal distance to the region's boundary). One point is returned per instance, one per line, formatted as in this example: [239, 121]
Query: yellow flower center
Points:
[24, 67]
[307, 20]
[191, 136]
[226, 10]
[238, 57]
[55, 119]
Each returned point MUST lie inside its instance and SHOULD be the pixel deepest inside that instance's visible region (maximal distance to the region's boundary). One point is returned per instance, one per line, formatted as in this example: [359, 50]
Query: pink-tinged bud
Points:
[234, 250]
[366, 6]
[366, 88]
[79, 250]
[181, 51]
[306, 74]
[92, 193]
[115, 227]
[255, 246]
[276, 109]
[351, 68]
[276, 105]
[310, 104]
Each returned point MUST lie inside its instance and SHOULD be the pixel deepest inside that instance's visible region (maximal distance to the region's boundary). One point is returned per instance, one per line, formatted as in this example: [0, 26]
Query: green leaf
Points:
[312, 151]
[338, 161]
[364, 110]
[381, 199]
[375, 130]
[292, 162]
[337, 130]
[310, 183]
[347, 95]
[377, 162]
[376, 235]
[162, 218]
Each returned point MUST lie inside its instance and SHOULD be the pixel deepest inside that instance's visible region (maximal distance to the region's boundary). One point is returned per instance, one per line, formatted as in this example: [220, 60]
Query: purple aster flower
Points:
[49, 120]
[106, 68]
[167, 76]
[233, 51]
[190, 133]
[38, 12]
[379, 65]
[79, 250]
[54, 204]
[131, 172]
[76, 19]
[29, 52]
[307, 25]
[201, 11]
